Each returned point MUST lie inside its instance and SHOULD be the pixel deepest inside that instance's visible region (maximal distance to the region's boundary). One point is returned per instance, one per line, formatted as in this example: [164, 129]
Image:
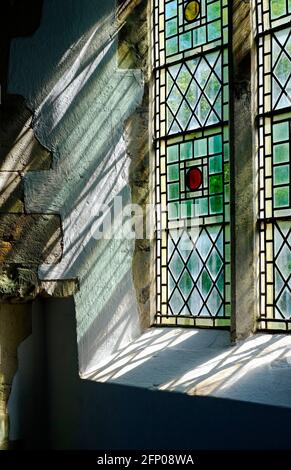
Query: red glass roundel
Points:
[194, 178]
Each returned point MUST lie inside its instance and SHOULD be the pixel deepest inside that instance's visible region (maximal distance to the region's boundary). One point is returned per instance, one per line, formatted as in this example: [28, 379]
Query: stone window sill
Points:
[203, 363]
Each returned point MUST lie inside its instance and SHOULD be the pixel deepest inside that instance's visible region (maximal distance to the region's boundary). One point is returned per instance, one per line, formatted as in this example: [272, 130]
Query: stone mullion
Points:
[244, 297]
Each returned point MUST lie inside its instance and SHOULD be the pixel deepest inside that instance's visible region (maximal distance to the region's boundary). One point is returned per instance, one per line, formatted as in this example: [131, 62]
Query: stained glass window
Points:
[191, 136]
[274, 133]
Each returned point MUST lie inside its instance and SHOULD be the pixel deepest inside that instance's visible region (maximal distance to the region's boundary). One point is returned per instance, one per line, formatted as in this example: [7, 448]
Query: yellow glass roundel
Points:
[192, 11]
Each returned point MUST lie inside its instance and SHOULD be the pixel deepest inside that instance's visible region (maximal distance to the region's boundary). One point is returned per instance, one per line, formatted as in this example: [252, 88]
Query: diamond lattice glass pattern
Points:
[197, 272]
[274, 60]
[275, 71]
[192, 162]
[194, 91]
[282, 246]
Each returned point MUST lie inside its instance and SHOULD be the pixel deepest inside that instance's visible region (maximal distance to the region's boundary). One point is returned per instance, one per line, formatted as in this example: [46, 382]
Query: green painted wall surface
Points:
[67, 72]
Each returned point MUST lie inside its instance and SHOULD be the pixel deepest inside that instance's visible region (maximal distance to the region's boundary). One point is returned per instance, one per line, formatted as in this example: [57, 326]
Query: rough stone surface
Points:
[18, 285]
[243, 321]
[59, 289]
[19, 149]
[11, 193]
[30, 239]
[133, 53]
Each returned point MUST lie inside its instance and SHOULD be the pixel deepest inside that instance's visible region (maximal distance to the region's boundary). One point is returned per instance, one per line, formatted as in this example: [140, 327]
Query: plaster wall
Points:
[67, 72]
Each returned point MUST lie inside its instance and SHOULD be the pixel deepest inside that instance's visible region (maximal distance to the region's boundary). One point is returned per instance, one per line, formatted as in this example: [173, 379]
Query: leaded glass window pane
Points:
[191, 60]
[274, 157]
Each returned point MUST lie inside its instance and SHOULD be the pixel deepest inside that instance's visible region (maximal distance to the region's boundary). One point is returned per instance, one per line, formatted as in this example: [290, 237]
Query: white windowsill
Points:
[202, 362]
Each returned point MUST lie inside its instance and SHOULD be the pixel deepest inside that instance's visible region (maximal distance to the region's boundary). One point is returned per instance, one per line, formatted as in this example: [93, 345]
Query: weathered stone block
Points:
[59, 289]
[19, 149]
[11, 193]
[30, 239]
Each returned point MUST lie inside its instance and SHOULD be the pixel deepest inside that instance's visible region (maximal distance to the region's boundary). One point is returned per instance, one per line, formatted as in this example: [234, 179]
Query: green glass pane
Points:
[212, 88]
[214, 264]
[214, 30]
[183, 79]
[173, 191]
[284, 303]
[226, 152]
[227, 308]
[213, 11]
[203, 109]
[176, 302]
[202, 206]
[227, 233]
[227, 252]
[186, 284]
[199, 36]
[282, 68]
[280, 132]
[176, 266]
[222, 323]
[226, 173]
[227, 192]
[281, 153]
[215, 144]
[278, 8]
[227, 213]
[281, 174]
[216, 204]
[215, 184]
[173, 173]
[195, 302]
[169, 118]
[200, 147]
[281, 197]
[194, 265]
[172, 46]
[192, 94]
[204, 245]
[215, 164]
[227, 273]
[184, 114]
[279, 283]
[213, 231]
[226, 97]
[171, 9]
[205, 284]
[173, 211]
[186, 151]
[220, 283]
[173, 153]
[171, 28]
[187, 209]
[214, 302]
[185, 41]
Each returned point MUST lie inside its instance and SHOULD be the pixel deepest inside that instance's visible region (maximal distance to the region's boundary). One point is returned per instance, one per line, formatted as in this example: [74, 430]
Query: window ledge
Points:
[202, 362]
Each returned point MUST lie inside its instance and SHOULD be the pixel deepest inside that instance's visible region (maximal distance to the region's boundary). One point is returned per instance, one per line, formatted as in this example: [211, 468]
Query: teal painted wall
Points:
[67, 72]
